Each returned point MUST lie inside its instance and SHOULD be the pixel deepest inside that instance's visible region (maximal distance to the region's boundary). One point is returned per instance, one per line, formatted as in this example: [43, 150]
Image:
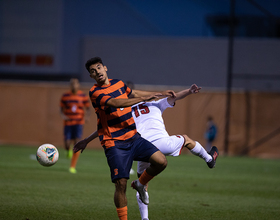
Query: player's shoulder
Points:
[95, 88]
[152, 103]
[161, 101]
[156, 102]
[81, 93]
[164, 104]
[114, 81]
[66, 94]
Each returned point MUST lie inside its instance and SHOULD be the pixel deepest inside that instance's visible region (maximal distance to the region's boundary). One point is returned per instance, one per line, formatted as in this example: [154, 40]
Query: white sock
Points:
[198, 150]
[143, 208]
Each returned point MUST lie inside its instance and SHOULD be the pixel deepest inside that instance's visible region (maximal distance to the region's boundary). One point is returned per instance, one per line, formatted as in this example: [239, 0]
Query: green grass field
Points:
[238, 188]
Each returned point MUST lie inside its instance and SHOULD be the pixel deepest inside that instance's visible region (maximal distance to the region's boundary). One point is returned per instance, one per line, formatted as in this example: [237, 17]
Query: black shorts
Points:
[121, 156]
[73, 132]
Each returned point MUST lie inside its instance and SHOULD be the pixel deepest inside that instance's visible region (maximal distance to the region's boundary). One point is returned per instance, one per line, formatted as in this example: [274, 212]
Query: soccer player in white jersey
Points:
[150, 124]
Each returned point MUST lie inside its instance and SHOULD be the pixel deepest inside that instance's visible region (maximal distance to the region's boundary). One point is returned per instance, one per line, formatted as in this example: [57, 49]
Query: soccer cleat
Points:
[214, 154]
[72, 170]
[144, 196]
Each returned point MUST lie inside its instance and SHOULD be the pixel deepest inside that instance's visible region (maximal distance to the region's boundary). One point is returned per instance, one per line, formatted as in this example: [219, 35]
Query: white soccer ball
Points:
[47, 155]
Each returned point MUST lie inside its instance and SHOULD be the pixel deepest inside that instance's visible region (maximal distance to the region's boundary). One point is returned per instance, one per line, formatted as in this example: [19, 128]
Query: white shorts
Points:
[169, 146]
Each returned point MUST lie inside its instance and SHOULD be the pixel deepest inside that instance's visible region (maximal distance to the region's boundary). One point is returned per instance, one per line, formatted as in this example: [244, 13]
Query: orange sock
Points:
[145, 178]
[122, 213]
[74, 159]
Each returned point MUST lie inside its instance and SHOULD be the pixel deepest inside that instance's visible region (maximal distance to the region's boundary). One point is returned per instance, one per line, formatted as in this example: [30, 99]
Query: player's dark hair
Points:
[93, 60]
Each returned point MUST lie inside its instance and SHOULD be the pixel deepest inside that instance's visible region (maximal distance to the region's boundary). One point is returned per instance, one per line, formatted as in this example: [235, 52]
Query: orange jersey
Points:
[113, 124]
[73, 107]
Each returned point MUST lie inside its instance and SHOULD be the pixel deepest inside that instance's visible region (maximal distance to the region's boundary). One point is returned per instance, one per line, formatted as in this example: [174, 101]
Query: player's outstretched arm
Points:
[184, 93]
[140, 93]
[192, 90]
[81, 145]
[123, 103]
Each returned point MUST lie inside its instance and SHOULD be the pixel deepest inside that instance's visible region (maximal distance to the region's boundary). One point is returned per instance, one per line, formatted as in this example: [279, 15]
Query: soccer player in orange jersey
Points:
[150, 124]
[73, 105]
[112, 101]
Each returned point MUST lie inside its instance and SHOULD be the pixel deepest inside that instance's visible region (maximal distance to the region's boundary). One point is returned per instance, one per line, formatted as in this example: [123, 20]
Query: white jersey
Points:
[149, 123]
[148, 119]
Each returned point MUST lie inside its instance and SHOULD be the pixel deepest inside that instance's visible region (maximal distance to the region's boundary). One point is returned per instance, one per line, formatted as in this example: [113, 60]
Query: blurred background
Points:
[230, 48]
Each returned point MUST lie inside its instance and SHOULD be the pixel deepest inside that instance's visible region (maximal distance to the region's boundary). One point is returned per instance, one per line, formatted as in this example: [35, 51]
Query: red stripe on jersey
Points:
[179, 136]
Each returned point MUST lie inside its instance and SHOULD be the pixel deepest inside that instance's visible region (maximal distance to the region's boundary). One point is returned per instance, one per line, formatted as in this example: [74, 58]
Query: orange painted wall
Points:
[29, 115]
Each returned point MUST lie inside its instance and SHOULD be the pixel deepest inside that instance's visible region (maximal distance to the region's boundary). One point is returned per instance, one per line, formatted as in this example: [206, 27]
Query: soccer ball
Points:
[47, 155]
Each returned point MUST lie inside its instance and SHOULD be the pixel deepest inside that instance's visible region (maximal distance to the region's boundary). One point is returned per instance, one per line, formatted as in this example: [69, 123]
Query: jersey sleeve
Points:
[163, 104]
[128, 90]
[99, 100]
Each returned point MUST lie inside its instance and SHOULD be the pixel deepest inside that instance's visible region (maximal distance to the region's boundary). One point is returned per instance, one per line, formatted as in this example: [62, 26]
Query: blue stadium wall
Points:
[51, 38]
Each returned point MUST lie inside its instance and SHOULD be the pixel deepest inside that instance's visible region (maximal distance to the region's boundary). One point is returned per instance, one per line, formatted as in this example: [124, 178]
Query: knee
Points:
[121, 184]
[163, 162]
[159, 160]
[189, 143]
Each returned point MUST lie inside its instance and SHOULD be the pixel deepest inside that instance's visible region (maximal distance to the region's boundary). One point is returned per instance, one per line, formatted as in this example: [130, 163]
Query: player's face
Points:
[99, 73]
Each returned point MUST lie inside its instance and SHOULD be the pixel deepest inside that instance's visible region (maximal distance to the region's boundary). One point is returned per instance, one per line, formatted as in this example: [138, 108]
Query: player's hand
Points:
[81, 145]
[194, 89]
[169, 93]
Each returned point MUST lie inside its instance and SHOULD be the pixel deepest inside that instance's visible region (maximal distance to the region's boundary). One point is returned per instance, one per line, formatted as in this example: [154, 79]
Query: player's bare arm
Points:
[81, 145]
[184, 93]
[140, 93]
[123, 103]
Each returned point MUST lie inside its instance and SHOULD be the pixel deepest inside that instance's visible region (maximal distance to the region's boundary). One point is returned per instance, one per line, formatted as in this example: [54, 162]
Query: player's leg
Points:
[67, 140]
[147, 152]
[77, 134]
[171, 145]
[158, 163]
[67, 144]
[197, 149]
[143, 208]
[74, 159]
[120, 161]
[120, 199]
